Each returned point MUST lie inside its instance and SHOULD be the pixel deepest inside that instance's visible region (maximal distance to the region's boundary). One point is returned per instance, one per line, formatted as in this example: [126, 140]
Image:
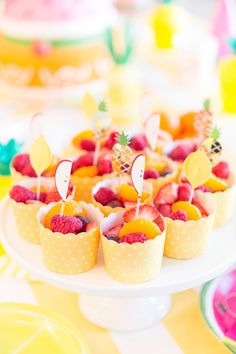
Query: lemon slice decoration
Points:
[197, 168]
[40, 155]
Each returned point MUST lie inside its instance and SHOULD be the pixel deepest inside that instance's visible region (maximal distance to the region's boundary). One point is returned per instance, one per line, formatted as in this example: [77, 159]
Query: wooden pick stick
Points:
[137, 207]
[96, 153]
[191, 195]
[38, 187]
[62, 208]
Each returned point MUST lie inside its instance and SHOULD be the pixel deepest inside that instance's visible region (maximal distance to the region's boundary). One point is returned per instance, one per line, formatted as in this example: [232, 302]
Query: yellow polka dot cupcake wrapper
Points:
[136, 263]
[25, 214]
[70, 253]
[84, 185]
[26, 221]
[225, 205]
[186, 240]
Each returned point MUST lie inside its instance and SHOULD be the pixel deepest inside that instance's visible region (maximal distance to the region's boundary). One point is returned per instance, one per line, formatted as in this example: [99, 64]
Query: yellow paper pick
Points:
[89, 105]
[40, 155]
[197, 168]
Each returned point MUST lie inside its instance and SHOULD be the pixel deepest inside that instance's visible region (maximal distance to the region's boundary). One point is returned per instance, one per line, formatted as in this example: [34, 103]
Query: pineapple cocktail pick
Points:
[204, 121]
[122, 155]
[212, 146]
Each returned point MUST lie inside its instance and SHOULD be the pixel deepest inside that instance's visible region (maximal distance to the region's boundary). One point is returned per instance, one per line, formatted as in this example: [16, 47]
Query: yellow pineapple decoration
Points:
[203, 121]
[212, 146]
[122, 156]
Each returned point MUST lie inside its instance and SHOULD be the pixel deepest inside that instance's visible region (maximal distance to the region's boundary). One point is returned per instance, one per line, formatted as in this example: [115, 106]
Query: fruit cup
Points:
[25, 214]
[189, 239]
[85, 175]
[70, 253]
[132, 263]
[113, 184]
[25, 170]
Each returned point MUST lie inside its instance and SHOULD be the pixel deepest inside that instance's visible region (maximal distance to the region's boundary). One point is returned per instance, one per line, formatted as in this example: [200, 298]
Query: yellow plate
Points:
[27, 329]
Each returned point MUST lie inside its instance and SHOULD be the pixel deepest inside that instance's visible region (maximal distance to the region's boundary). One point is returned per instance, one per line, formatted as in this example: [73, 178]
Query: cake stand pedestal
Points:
[114, 305]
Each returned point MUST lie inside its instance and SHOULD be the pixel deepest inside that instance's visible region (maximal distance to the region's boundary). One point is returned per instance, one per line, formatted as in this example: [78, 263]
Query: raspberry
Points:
[21, 194]
[66, 224]
[165, 210]
[151, 173]
[87, 144]
[204, 189]
[222, 170]
[52, 196]
[132, 238]
[20, 161]
[138, 142]
[104, 166]
[184, 191]
[84, 221]
[111, 140]
[180, 152]
[114, 238]
[82, 161]
[179, 215]
[104, 195]
[115, 204]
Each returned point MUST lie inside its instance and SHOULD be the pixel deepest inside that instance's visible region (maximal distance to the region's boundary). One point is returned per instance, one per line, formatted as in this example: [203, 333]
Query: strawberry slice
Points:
[114, 231]
[129, 204]
[200, 207]
[168, 194]
[160, 222]
[145, 212]
[91, 225]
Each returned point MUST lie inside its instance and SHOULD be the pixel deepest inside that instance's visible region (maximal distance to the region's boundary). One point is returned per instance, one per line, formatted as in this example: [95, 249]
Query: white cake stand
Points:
[115, 305]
